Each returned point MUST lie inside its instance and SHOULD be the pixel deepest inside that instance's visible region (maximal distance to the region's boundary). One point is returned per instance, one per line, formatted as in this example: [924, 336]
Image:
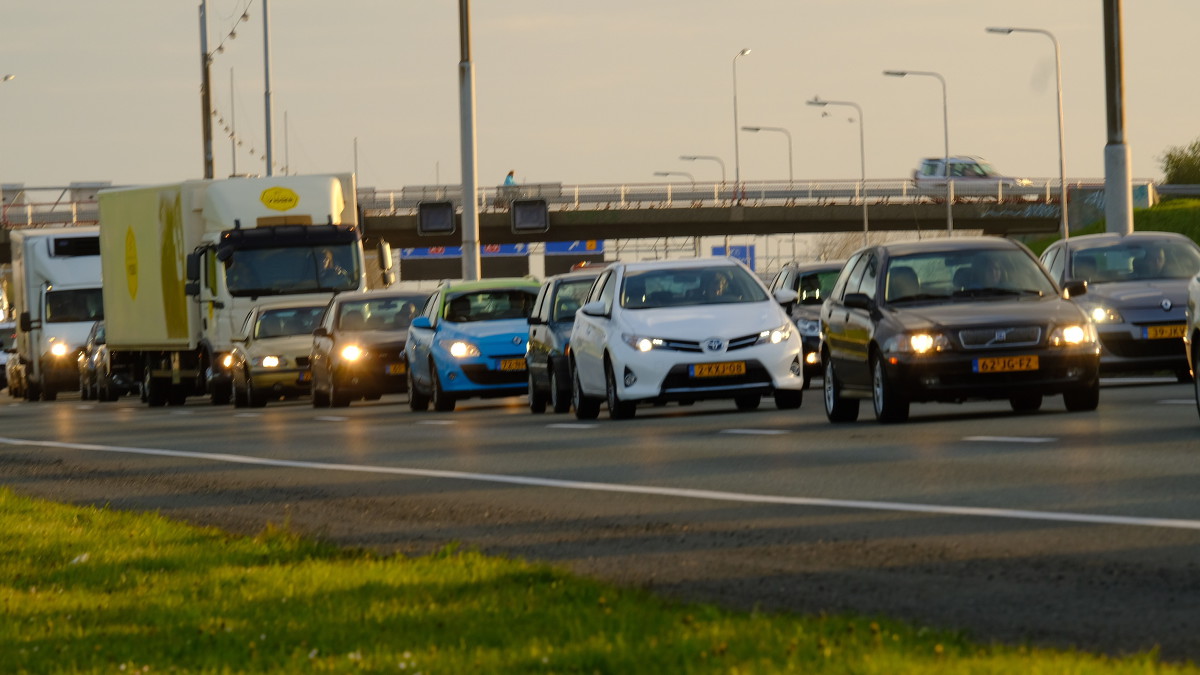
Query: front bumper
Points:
[664, 374]
[483, 376]
[1128, 348]
[955, 377]
[283, 381]
[371, 376]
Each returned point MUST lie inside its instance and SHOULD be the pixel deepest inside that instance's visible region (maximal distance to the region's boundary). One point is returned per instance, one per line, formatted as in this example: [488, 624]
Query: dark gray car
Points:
[549, 336]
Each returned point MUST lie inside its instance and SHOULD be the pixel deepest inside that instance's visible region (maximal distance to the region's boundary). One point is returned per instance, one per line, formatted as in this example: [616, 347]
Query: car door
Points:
[322, 348]
[540, 337]
[835, 316]
[590, 333]
[420, 340]
[860, 322]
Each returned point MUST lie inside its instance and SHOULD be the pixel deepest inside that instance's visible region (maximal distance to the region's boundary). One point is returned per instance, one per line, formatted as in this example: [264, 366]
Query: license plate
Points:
[397, 368]
[1175, 330]
[512, 364]
[1005, 364]
[306, 376]
[725, 369]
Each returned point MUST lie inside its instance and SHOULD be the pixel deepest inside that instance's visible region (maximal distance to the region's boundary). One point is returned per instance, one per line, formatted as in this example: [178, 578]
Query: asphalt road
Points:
[1054, 528]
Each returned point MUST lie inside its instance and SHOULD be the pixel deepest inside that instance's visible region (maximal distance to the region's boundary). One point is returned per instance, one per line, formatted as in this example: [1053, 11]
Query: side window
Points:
[840, 287]
[248, 325]
[608, 293]
[431, 306]
[539, 305]
[598, 287]
[856, 275]
[870, 277]
[327, 319]
[777, 282]
[210, 271]
[1055, 261]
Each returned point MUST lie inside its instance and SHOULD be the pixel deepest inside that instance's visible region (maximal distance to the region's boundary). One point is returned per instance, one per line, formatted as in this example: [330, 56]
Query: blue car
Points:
[470, 342]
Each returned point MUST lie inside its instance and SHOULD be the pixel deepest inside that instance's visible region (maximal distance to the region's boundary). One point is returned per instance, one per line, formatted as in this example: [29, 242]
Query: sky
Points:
[581, 93]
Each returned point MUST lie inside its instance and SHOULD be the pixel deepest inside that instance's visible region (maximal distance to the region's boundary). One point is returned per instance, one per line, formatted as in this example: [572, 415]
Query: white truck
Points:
[184, 263]
[56, 298]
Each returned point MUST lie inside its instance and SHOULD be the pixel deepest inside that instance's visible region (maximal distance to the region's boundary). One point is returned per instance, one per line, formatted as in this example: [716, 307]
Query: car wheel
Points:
[1196, 380]
[239, 396]
[1183, 376]
[747, 402]
[837, 407]
[320, 398]
[586, 407]
[418, 401]
[560, 397]
[372, 397]
[1025, 403]
[254, 397]
[537, 399]
[789, 399]
[890, 405]
[85, 391]
[1083, 398]
[442, 402]
[337, 397]
[617, 409]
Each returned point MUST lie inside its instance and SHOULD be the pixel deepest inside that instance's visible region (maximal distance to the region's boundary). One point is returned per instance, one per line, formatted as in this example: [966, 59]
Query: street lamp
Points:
[718, 160]
[862, 152]
[1062, 166]
[946, 139]
[789, 140]
[737, 157]
[7, 77]
[676, 173]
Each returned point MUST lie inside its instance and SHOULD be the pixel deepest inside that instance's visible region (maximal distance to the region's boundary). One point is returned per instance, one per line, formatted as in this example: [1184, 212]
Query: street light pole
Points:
[676, 173]
[785, 132]
[945, 138]
[1062, 166]
[862, 153]
[718, 160]
[737, 157]
[7, 77]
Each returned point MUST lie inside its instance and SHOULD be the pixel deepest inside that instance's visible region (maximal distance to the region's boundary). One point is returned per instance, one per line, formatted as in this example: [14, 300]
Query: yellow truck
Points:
[183, 265]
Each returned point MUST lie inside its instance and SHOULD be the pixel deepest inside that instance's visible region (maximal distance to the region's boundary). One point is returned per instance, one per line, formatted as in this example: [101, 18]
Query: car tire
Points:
[789, 399]
[560, 397]
[239, 396]
[890, 404]
[418, 401]
[617, 409]
[1026, 402]
[837, 407]
[586, 407]
[1084, 398]
[747, 402]
[254, 397]
[337, 397]
[85, 390]
[372, 397]
[320, 399]
[537, 399]
[442, 402]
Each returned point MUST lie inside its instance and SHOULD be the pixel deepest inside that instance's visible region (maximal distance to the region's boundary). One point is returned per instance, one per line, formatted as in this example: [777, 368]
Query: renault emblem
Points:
[516, 340]
[1165, 304]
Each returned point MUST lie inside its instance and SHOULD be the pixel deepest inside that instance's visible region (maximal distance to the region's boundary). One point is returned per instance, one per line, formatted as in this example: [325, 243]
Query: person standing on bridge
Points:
[511, 178]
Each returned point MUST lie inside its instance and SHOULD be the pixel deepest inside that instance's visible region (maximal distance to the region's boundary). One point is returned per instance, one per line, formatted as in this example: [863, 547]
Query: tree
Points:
[1181, 165]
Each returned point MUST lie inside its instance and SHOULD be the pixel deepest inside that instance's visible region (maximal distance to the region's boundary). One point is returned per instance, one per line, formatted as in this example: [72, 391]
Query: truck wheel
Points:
[154, 390]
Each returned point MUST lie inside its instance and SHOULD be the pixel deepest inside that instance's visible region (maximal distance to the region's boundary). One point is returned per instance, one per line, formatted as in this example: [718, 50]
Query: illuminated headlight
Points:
[775, 335]
[1066, 336]
[1105, 315]
[460, 349]
[809, 327]
[58, 349]
[352, 352]
[227, 362]
[643, 344]
[276, 361]
[917, 343]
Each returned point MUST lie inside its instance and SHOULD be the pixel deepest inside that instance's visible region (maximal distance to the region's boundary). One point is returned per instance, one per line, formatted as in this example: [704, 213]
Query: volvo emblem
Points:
[1165, 304]
[1001, 336]
[714, 345]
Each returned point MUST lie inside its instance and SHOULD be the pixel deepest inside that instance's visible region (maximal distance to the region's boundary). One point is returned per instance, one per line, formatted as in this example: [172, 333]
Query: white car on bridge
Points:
[683, 330]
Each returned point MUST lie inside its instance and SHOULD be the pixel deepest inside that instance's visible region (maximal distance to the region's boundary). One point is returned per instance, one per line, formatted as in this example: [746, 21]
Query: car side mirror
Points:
[594, 308]
[785, 297]
[25, 322]
[857, 301]
[320, 331]
[421, 322]
[1074, 288]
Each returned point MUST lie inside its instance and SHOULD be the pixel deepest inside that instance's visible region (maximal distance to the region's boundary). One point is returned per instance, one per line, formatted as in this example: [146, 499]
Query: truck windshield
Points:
[291, 270]
[80, 304]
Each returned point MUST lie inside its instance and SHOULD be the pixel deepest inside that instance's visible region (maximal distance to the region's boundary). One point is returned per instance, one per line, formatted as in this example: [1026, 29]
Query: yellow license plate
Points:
[1175, 330]
[306, 376]
[1005, 364]
[397, 368]
[512, 364]
[725, 369]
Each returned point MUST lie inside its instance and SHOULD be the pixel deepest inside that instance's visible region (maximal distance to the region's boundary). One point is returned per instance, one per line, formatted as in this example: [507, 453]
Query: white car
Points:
[683, 330]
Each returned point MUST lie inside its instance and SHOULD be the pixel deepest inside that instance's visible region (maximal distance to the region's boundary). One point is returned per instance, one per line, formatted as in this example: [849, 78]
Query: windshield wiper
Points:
[919, 296]
[995, 291]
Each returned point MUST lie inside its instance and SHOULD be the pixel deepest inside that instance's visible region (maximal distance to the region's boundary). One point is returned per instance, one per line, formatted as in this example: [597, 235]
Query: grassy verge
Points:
[89, 590]
[1175, 215]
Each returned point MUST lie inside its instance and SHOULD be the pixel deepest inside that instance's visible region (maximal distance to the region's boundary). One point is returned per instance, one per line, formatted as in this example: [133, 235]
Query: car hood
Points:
[375, 338]
[486, 332]
[989, 313]
[1139, 294]
[291, 344]
[697, 322]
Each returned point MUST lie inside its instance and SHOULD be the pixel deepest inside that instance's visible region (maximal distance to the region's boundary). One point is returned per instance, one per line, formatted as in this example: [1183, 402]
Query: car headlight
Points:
[352, 352]
[917, 343]
[775, 335]
[643, 344]
[1073, 334]
[1101, 314]
[272, 361]
[460, 349]
[227, 361]
[58, 349]
[809, 327]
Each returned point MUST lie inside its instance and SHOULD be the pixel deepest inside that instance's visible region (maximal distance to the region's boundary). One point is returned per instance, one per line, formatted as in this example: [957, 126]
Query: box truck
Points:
[56, 296]
[183, 264]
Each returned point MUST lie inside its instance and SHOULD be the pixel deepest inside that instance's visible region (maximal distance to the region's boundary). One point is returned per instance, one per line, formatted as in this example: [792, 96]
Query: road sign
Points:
[743, 253]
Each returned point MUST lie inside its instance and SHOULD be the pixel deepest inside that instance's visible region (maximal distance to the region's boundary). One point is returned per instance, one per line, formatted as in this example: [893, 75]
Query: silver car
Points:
[1137, 294]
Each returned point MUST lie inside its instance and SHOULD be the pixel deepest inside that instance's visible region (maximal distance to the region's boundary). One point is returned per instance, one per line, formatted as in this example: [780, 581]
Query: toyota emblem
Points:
[714, 345]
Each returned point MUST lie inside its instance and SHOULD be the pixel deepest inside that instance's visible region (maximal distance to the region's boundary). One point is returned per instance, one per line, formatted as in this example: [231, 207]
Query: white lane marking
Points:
[568, 425]
[1177, 401]
[436, 422]
[330, 418]
[182, 412]
[755, 432]
[84, 407]
[248, 415]
[1012, 439]
[713, 495]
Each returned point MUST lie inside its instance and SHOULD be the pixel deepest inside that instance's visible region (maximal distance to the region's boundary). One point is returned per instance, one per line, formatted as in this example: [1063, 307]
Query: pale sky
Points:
[582, 93]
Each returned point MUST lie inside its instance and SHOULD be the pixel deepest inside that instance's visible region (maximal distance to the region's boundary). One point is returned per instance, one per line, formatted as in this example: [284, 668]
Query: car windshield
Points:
[1135, 260]
[569, 298]
[951, 275]
[673, 287]
[382, 313]
[490, 304]
[814, 287]
[83, 304]
[283, 322]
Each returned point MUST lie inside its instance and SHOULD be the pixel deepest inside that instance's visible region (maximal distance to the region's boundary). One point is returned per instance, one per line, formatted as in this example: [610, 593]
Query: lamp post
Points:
[737, 157]
[676, 173]
[862, 152]
[1062, 166]
[945, 138]
[7, 77]
[718, 160]
[785, 132]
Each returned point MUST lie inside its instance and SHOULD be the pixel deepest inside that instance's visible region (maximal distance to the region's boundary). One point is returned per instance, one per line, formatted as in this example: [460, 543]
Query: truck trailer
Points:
[183, 264]
[56, 296]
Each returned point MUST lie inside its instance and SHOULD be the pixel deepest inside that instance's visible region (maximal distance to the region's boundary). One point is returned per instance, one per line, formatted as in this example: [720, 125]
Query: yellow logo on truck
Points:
[131, 264]
[280, 198]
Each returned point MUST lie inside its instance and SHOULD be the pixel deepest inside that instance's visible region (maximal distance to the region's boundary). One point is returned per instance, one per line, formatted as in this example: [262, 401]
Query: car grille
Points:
[1123, 346]
[742, 342]
[302, 361]
[1000, 336]
[481, 374]
[690, 346]
[678, 380]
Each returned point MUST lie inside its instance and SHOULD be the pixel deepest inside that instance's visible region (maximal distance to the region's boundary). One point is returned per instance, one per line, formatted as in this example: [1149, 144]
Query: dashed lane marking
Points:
[617, 488]
[436, 422]
[568, 425]
[1177, 401]
[755, 432]
[330, 418]
[1012, 439]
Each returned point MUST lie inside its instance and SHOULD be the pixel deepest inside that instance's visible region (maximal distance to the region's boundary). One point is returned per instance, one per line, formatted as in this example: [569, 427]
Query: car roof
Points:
[946, 244]
[830, 265]
[1110, 238]
[290, 304]
[490, 284]
[675, 263]
[577, 274]
[380, 294]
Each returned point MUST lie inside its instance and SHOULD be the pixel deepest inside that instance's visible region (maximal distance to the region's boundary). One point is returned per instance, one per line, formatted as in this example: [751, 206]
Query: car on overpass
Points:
[970, 173]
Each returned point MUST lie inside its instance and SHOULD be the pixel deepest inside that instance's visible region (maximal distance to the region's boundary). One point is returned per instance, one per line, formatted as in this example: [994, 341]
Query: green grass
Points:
[1175, 215]
[88, 590]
